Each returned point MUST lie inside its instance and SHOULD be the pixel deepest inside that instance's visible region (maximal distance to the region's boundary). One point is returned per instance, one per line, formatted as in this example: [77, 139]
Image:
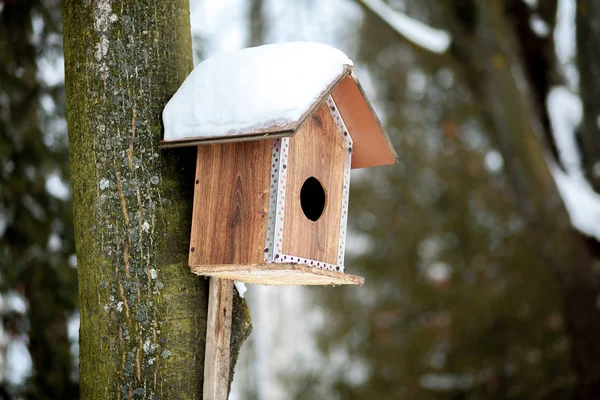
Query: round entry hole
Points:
[312, 198]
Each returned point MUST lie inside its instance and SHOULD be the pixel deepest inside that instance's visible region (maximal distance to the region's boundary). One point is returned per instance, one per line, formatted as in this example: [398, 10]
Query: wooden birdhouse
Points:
[278, 130]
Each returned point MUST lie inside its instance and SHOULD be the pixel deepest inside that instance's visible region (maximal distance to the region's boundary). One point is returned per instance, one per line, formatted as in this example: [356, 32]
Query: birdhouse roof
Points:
[269, 91]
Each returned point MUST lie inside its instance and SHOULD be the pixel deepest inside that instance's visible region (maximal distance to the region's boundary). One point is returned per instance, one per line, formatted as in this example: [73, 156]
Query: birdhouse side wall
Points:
[318, 150]
[230, 203]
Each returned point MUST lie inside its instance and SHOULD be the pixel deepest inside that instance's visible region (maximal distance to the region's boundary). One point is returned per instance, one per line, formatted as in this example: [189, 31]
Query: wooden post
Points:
[218, 335]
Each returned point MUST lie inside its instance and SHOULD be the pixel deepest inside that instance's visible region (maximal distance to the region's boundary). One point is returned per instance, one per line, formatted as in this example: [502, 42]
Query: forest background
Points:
[479, 249]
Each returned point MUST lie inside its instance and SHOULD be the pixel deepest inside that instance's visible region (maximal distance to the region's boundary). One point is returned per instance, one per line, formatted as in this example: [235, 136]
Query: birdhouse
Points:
[278, 129]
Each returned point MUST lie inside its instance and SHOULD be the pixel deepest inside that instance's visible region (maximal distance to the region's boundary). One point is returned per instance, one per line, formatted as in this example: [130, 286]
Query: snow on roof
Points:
[246, 92]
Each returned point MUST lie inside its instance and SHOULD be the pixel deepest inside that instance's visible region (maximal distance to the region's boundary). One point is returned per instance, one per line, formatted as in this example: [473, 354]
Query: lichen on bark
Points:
[143, 314]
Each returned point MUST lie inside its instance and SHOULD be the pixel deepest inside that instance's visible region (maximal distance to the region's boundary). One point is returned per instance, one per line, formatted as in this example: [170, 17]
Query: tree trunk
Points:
[143, 314]
[588, 61]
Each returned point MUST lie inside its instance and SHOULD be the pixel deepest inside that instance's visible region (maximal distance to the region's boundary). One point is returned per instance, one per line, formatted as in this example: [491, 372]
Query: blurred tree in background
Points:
[36, 234]
[477, 285]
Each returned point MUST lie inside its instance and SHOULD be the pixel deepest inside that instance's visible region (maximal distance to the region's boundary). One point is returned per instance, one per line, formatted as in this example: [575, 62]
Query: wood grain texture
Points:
[317, 150]
[279, 274]
[372, 146]
[218, 335]
[230, 203]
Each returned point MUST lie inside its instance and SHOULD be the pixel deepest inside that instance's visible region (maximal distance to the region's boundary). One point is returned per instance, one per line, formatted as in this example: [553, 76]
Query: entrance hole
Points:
[312, 198]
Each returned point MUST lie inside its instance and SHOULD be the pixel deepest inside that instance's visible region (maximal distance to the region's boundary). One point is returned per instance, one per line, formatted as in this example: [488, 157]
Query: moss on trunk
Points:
[143, 314]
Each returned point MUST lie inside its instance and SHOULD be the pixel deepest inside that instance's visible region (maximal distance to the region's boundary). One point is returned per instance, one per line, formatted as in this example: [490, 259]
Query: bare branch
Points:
[422, 35]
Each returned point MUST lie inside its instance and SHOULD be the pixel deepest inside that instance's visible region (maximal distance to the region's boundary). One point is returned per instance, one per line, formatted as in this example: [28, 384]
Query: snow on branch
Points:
[431, 39]
[581, 201]
[565, 112]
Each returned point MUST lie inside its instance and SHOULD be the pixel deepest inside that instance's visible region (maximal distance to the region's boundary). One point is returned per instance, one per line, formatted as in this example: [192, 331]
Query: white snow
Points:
[241, 288]
[564, 32]
[73, 324]
[358, 244]
[438, 272]
[57, 187]
[565, 111]
[246, 91]
[564, 41]
[54, 243]
[51, 69]
[72, 261]
[15, 302]
[582, 203]
[539, 26]
[434, 40]
[493, 161]
[531, 3]
[18, 361]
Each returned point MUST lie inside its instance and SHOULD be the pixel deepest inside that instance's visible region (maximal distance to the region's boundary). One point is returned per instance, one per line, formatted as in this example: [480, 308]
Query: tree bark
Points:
[588, 61]
[143, 314]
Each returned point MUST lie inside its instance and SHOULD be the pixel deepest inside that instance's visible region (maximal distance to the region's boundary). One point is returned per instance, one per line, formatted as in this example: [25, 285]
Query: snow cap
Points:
[268, 91]
[252, 90]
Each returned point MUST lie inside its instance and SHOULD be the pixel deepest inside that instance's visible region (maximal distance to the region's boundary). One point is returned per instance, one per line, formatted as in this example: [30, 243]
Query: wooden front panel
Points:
[230, 203]
[317, 150]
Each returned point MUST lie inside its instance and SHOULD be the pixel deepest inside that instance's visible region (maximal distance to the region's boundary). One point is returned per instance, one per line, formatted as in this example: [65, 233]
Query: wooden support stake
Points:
[218, 336]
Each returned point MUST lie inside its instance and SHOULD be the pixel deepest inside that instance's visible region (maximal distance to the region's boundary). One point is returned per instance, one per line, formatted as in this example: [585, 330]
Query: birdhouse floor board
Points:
[278, 274]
